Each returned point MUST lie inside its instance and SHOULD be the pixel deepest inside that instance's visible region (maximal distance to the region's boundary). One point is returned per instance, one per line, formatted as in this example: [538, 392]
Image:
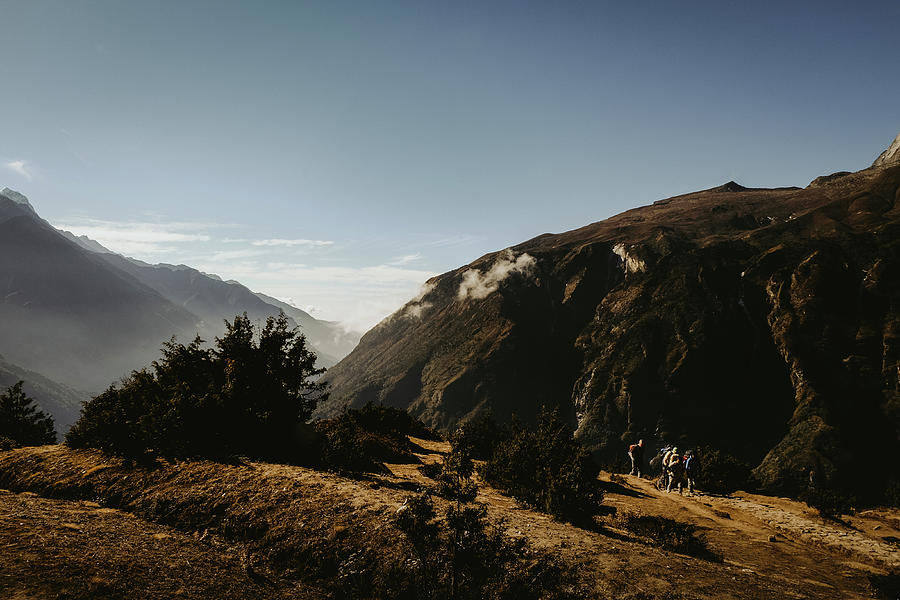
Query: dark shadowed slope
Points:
[762, 321]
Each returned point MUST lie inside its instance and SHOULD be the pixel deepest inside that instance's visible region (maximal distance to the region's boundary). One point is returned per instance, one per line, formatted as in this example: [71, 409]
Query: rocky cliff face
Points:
[762, 321]
[891, 156]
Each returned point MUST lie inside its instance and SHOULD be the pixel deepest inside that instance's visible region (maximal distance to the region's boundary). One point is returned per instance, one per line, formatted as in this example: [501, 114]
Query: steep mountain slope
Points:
[762, 321]
[68, 314]
[215, 301]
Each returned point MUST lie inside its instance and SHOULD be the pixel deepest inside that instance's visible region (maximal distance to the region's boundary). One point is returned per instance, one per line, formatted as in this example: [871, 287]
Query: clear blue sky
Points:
[338, 153]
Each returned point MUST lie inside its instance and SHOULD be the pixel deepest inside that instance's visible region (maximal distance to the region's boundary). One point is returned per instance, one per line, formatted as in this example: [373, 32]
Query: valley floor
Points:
[106, 540]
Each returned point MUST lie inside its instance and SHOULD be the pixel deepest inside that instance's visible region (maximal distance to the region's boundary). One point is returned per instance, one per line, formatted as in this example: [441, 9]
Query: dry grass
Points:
[288, 529]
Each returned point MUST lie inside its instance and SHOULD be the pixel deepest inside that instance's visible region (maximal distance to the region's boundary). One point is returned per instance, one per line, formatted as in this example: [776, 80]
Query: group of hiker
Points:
[678, 470]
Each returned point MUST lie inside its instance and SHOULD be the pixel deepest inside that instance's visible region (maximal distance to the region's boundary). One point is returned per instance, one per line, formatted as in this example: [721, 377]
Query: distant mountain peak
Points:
[891, 156]
[731, 186]
[16, 197]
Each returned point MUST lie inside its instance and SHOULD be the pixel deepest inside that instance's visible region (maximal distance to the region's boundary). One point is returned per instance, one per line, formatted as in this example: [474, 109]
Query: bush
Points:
[360, 440]
[668, 534]
[886, 586]
[464, 556]
[247, 395]
[547, 469]
[21, 423]
[378, 418]
[830, 503]
[482, 435]
[722, 473]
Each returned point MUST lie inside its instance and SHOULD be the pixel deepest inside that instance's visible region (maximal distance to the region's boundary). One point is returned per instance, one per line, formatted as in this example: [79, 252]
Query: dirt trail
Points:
[809, 558]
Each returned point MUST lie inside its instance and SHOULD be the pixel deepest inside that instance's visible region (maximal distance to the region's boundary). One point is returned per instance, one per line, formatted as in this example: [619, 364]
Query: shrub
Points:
[482, 435]
[454, 479]
[722, 473]
[390, 420]
[355, 441]
[247, 395]
[546, 468]
[830, 503]
[668, 534]
[463, 556]
[886, 586]
[21, 423]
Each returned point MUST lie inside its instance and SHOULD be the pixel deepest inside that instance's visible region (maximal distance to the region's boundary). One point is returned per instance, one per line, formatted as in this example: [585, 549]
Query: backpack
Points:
[689, 464]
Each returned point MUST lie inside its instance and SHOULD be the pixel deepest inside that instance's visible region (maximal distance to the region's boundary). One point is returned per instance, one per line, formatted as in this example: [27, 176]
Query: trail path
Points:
[809, 557]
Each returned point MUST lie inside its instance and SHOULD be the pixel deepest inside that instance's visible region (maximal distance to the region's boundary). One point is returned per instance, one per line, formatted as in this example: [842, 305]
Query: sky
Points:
[337, 154]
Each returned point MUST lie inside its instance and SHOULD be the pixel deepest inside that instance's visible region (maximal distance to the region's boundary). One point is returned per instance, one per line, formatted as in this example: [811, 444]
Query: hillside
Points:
[67, 314]
[61, 401]
[761, 321]
[267, 530]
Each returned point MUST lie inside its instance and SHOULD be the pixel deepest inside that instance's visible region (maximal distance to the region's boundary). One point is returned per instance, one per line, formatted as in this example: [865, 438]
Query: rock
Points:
[890, 156]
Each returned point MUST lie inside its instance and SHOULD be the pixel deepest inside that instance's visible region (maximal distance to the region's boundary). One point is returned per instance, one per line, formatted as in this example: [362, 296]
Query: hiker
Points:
[673, 468]
[659, 461]
[636, 454]
[690, 470]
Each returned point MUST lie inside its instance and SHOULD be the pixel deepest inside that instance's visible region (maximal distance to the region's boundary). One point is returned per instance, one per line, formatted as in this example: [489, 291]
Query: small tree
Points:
[547, 468]
[21, 421]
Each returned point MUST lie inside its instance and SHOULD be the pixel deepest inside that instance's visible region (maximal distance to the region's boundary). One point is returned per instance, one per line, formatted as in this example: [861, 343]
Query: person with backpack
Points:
[690, 470]
[672, 466]
[636, 454]
[660, 461]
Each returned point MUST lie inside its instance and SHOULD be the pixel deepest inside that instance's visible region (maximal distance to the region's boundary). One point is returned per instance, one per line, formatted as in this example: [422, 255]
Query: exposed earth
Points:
[103, 529]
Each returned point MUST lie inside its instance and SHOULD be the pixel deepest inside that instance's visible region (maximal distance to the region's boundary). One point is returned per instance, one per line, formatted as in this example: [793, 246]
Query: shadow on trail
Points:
[611, 487]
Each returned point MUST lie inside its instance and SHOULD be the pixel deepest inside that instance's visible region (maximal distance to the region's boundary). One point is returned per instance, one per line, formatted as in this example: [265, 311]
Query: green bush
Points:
[245, 396]
[21, 423]
[546, 468]
[722, 473]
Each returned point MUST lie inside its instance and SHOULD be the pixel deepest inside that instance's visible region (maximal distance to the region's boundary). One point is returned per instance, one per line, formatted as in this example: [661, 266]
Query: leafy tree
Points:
[246, 395]
[21, 422]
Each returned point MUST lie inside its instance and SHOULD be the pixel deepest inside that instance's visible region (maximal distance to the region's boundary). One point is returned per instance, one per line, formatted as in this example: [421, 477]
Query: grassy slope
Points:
[292, 526]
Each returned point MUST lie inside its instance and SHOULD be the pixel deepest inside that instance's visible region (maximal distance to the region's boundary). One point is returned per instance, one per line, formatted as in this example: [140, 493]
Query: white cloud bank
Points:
[18, 166]
[139, 239]
[478, 285]
[292, 243]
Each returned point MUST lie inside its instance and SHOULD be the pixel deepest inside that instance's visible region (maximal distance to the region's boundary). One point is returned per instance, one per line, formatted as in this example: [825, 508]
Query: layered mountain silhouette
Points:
[765, 322]
[61, 401]
[78, 314]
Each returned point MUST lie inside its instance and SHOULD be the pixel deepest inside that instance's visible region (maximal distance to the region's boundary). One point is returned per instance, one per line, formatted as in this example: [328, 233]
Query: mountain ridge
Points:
[702, 318]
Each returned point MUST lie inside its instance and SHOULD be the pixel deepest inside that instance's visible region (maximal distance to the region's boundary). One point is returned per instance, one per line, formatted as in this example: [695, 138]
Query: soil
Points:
[84, 546]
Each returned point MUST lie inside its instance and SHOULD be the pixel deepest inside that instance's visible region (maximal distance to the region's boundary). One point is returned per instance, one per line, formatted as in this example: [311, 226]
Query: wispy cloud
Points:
[137, 238]
[291, 243]
[477, 285]
[459, 239]
[18, 166]
[405, 260]
[234, 254]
